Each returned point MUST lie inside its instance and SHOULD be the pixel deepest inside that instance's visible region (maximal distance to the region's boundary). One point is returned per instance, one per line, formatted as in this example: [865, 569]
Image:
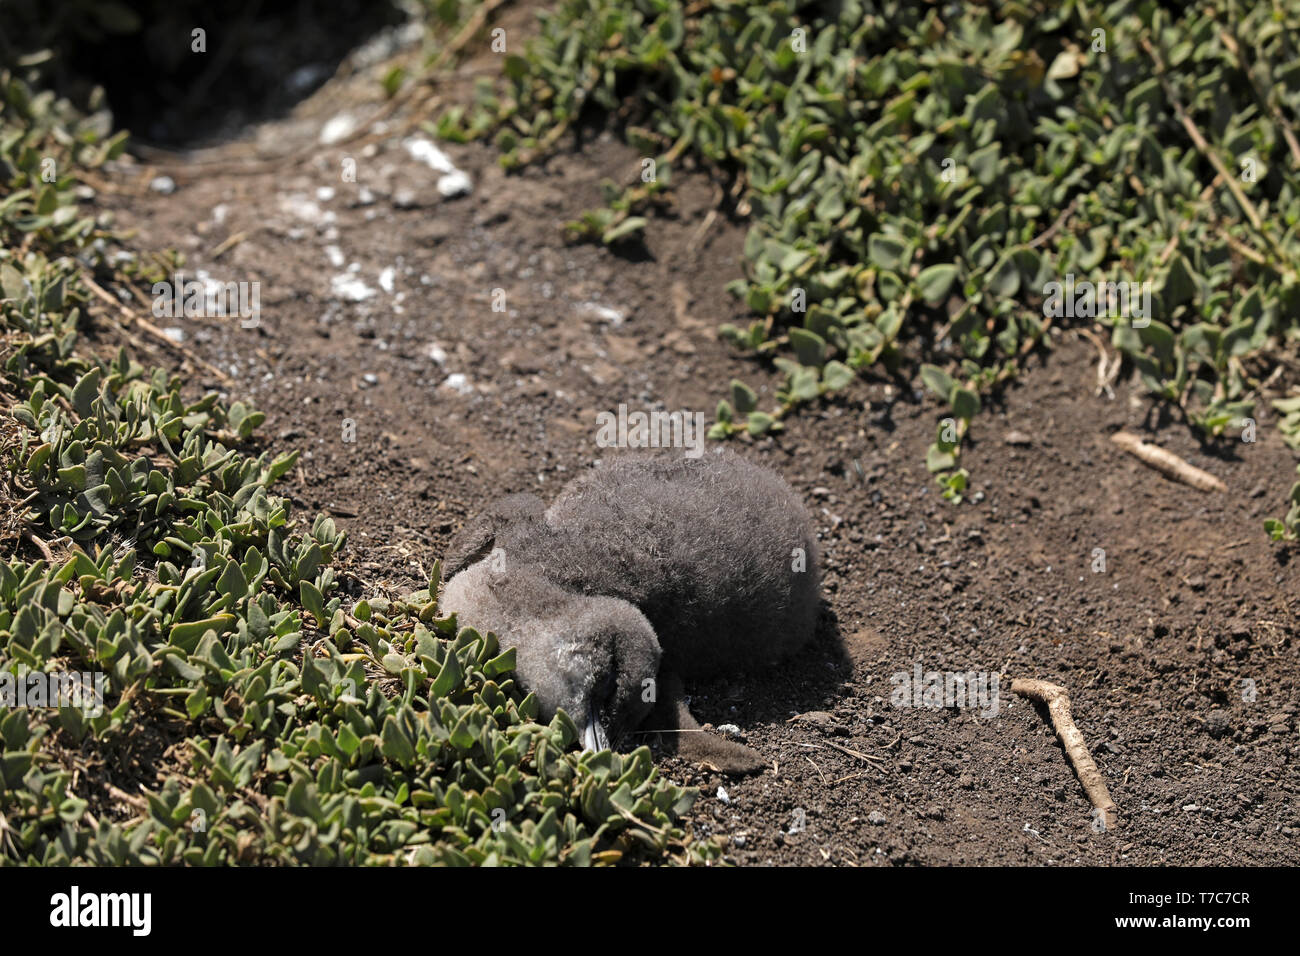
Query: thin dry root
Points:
[42, 547]
[1106, 372]
[1168, 463]
[1057, 700]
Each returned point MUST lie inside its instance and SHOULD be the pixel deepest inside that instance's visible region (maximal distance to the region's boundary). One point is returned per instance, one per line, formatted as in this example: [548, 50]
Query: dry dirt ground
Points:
[376, 306]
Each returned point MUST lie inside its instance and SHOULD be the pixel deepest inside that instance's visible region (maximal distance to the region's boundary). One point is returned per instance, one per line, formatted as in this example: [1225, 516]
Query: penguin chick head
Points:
[607, 657]
[597, 658]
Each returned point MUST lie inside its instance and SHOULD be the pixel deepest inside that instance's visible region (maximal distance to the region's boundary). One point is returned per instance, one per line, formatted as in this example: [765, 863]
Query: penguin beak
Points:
[593, 734]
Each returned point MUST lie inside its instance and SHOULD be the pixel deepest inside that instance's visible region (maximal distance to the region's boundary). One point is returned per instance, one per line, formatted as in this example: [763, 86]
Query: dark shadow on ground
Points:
[174, 87]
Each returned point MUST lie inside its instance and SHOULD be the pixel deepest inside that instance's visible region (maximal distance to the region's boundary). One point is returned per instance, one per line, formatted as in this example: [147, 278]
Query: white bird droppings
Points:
[454, 182]
[350, 288]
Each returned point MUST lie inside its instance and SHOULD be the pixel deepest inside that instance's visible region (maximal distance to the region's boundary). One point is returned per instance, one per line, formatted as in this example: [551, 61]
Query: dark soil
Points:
[1156, 650]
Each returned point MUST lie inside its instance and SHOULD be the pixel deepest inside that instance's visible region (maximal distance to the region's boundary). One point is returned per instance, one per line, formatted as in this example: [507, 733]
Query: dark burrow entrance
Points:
[185, 74]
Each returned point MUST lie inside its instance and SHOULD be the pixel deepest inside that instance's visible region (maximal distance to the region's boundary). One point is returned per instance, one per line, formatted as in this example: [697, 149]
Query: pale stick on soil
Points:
[1168, 463]
[1057, 701]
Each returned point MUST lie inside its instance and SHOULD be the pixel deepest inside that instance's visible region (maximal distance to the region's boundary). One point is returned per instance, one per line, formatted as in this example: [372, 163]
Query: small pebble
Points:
[457, 381]
[455, 183]
[337, 129]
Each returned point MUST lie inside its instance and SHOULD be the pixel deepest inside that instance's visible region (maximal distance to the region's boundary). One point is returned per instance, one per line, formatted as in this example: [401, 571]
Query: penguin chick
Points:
[591, 656]
[718, 553]
[717, 557]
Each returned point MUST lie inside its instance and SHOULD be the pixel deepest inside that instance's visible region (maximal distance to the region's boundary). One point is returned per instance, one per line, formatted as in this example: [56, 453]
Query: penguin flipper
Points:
[683, 736]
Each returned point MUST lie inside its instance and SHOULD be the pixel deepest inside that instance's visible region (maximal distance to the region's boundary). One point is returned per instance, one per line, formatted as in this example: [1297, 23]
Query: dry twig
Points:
[1057, 701]
[1167, 463]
